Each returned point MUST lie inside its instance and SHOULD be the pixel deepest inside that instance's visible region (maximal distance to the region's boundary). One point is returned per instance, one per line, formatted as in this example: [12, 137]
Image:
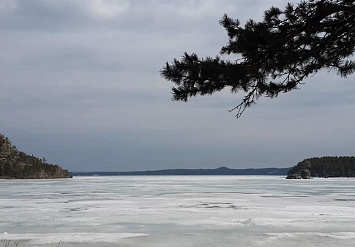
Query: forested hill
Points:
[193, 172]
[17, 164]
[329, 166]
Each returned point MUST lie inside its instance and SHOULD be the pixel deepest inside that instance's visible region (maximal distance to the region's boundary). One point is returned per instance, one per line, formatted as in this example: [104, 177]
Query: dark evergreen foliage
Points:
[276, 54]
[331, 166]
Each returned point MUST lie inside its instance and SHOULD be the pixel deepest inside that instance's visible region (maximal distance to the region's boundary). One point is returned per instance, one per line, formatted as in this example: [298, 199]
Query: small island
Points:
[15, 164]
[329, 166]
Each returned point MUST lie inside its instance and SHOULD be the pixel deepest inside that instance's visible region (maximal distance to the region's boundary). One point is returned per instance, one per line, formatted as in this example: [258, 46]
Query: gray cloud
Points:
[80, 85]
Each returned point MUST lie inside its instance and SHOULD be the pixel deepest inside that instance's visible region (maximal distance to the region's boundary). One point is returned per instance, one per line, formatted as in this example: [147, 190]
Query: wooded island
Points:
[329, 166]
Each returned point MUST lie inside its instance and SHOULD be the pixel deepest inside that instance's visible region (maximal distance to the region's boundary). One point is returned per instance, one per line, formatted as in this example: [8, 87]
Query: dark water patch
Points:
[281, 196]
[200, 193]
[224, 205]
[76, 209]
[237, 208]
[344, 200]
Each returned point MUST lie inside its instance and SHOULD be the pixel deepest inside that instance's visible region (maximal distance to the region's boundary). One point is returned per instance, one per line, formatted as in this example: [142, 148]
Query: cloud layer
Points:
[80, 85]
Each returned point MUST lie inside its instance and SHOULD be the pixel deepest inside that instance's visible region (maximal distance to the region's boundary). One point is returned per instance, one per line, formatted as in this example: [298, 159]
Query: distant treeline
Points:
[329, 166]
[191, 172]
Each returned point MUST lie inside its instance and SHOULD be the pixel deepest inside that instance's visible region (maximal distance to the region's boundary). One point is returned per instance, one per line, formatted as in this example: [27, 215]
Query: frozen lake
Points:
[178, 211]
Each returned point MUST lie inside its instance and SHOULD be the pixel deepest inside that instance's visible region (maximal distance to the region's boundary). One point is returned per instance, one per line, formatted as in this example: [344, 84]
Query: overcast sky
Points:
[80, 85]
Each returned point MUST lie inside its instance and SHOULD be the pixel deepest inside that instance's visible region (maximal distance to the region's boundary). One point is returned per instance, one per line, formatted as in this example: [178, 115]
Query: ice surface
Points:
[178, 211]
[56, 238]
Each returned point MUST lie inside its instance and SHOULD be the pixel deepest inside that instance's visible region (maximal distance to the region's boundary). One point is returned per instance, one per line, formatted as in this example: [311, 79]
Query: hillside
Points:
[194, 172]
[17, 164]
[329, 166]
